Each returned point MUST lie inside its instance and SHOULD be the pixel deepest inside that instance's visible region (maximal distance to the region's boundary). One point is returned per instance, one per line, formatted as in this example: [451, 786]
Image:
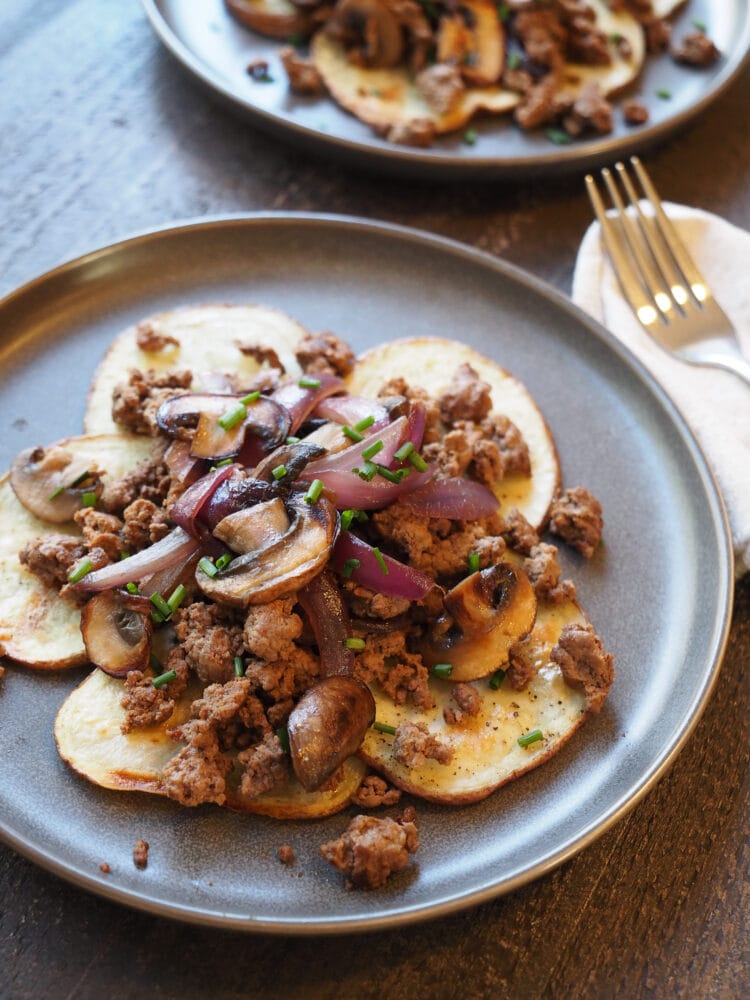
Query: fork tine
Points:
[640, 246]
[692, 275]
[623, 267]
[658, 245]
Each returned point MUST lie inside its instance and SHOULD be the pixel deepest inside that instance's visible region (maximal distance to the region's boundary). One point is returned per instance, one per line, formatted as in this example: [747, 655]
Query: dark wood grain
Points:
[103, 135]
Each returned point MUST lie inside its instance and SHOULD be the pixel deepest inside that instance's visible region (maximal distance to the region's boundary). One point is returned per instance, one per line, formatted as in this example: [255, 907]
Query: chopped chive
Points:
[383, 727]
[403, 473]
[404, 451]
[80, 570]
[665, 95]
[296, 40]
[351, 433]
[367, 472]
[351, 514]
[442, 669]
[349, 566]
[223, 462]
[223, 561]
[239, 667]
[88, 499]
[282, 735]
[380, 560]
[503, 12]
[533, 737]
[292, 440]
[699, 25]
[132, 588]
[207, 566]
[313, 494]
[79, 479]
[177, 596]
[347, 516]
[372, 449]
[155, 663]
[386, 473]
[470, 136]
[364, 423]
[124, 555]
[56, 493]
[514, 60]
[279, 472]
[417, 461]
[161, 605]
[473, 562]
[559, 136]
[233, 417]
[497, 679]
[252, 397]
[354, 643]
[306, 382]
[163, 679]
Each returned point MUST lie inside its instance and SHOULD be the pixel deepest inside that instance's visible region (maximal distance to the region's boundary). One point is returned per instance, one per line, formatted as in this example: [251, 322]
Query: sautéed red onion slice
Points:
[377, 571]
[188, 507]
[460, 499]
[176, 547]
[301, 400]
[324, 606]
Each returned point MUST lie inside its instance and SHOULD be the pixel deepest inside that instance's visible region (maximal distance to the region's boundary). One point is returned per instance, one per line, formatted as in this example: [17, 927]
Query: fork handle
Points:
[728, 360]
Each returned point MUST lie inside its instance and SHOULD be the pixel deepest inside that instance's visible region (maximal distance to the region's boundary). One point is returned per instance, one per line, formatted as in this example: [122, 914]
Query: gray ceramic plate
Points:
[216, 50]
[659, 590]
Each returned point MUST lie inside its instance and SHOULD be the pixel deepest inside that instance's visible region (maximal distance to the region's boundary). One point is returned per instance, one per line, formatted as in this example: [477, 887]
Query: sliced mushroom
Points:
[328, 725]
[293, 457]
[265, 419]
[117, 635]
[473, 39]
[370, 31]
[50, 482]
[254, 527]
[484, 616]
[282, 566]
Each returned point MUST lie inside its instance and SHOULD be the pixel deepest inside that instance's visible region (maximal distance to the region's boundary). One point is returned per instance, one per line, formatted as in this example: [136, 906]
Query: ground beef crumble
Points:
[324, 353]
[468, 701]
[210, 637]
[265, 766]
[576, 516]
[371, 849]
[146, 705]
[375, 791]
[149, 480]
[149, 337]
[51, 557]
[140, 854]
[135, 402]
[285, 854]
[584, 663]
[386, 660]
[413, 744]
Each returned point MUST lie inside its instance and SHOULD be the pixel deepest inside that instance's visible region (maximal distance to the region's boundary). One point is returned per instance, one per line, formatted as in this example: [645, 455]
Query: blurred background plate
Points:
[658, 590]
[216, 50]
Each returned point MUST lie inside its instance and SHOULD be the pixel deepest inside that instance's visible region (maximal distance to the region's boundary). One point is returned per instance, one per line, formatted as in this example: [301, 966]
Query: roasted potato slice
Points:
[37, 627]
[485, 748]
[203, 339]
[89, 740]
[431, 363]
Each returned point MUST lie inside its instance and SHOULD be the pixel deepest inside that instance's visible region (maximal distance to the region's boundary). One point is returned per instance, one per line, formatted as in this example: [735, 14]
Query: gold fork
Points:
[665, 289]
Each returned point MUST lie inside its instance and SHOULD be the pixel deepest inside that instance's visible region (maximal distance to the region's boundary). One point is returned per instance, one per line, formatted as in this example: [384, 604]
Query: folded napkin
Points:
[715, 403]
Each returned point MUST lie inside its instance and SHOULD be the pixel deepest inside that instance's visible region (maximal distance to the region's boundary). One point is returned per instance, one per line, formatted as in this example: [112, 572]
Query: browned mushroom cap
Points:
[484, 615]
[328, 725]
[280, 567]
[369, 29]
[217, 437]
[116, 635]
[50, 482]
[473, 38]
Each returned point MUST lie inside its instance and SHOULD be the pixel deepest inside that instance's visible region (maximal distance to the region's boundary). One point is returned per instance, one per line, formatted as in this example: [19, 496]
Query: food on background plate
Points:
[305, 580]
[416, 69]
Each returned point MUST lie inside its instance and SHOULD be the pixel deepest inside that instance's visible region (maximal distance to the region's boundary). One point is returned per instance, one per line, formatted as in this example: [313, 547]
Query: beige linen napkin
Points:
[715, 403]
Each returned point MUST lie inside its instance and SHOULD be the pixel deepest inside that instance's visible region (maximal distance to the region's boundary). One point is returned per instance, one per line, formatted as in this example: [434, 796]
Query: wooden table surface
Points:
[102, 135]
